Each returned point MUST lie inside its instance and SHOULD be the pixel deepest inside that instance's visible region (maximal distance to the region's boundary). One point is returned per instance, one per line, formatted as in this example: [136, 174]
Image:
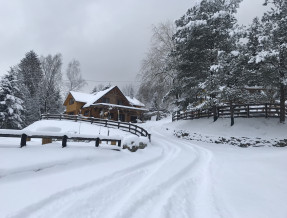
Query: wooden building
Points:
[108, 104]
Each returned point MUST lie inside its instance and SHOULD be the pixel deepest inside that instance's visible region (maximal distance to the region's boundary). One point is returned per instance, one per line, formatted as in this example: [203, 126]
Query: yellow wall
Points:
[75, 108]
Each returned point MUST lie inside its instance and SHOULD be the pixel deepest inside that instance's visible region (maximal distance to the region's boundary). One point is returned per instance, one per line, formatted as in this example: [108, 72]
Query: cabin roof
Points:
[90, 99]
[118, 106]
[94, 97]
[135, 102]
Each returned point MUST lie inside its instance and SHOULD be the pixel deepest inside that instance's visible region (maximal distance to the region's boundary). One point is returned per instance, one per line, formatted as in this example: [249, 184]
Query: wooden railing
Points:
[129, 127]
[245, 111]
[64, 138]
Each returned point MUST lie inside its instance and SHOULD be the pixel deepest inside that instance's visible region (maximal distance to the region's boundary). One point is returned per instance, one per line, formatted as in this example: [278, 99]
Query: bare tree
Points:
[75, 80]
[129, 90]
[156, 73]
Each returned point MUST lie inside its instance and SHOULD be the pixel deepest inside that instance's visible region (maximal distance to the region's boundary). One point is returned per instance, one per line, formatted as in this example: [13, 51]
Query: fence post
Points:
[248, 111]
[119, 143]
[215, 117]
[106, 123]
[23, 140]
[97, 142]
[149, 137]
[136, 129]
[118, 124]
[232, 114]
[64, 141]
[129, 127]
[266, 114]
[92, 120]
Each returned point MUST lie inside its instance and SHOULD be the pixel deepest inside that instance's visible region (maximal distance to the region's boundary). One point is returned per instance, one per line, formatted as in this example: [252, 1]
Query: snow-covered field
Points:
[172, 177]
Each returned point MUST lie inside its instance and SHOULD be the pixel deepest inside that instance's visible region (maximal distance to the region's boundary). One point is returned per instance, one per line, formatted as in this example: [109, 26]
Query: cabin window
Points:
[106, 100]
[86, 113]
[112, 116]
[120, 102]
[71, 113]
[71, 101]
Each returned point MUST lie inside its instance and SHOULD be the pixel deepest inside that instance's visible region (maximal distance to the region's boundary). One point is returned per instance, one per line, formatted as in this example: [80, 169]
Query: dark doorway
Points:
[133, 119]
[122, 117]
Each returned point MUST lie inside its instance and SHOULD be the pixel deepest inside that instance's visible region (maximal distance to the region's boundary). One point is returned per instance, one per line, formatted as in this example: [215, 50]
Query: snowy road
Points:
[172, 178]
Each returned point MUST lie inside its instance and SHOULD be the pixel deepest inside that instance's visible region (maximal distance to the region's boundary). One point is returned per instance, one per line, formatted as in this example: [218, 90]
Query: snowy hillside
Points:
[172, 177]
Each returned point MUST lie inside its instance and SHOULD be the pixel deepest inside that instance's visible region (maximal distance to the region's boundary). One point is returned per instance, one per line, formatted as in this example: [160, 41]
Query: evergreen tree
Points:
[272, 50]
[204, 36]
[30, 69]
[30, 74]
[51, 100]
[11, 106]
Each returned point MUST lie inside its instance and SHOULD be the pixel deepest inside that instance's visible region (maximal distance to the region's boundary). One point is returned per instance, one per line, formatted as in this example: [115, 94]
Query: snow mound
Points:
[72, 127]
[49, 129]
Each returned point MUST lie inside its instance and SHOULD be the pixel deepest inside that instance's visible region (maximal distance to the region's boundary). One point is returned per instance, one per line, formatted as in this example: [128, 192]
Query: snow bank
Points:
[244, 127]
[74, 129]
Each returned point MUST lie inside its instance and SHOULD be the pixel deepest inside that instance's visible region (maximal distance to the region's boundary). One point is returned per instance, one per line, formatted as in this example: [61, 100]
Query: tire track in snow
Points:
[174, 184]
[163, 194]
[60, 199]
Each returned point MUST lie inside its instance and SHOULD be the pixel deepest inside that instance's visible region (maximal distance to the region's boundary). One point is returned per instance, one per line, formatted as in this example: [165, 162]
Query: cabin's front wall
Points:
[125, 115]
[75, 107]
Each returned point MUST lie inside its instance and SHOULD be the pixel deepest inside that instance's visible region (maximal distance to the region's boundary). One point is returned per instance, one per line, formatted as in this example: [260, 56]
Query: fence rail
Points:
[129, 127]
[244, 111]
[64, 138]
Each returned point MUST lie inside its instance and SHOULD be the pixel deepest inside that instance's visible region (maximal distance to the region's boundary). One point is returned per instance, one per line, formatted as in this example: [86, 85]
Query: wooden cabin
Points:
[107, 104]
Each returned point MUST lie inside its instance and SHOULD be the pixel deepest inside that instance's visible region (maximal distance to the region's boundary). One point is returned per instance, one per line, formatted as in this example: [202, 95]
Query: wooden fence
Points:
[64, 138]
[129, 127]
[245, 111]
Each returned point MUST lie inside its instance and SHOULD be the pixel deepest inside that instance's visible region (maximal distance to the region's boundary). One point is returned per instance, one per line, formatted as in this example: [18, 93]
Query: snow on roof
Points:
[119, 106]
[89, 98]
[133, 101]
[97, 96]
[81, 97]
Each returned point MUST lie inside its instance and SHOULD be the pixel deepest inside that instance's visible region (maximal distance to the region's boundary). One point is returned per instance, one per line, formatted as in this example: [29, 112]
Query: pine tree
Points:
[30, 69]
[11, 106]
[204, 37]
[272, 50]
[30, 74]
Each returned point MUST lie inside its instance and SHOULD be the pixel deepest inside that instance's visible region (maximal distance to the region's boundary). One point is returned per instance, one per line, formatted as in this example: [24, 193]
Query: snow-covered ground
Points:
[172, 177]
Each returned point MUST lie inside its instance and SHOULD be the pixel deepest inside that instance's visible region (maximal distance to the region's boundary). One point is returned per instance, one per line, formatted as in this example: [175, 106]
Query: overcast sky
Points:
[108, 37]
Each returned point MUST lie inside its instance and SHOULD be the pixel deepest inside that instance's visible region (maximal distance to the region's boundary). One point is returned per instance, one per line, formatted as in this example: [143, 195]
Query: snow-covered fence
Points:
[244, 110]
[24, 135]
[129, 127]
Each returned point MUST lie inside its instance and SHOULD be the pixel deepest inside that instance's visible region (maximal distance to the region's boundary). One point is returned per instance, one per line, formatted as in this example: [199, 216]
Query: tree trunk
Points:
[214, 113]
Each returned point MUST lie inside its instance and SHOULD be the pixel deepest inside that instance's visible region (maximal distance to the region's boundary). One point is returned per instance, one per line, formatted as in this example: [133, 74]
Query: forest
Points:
[35, 86]
[206, 59]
